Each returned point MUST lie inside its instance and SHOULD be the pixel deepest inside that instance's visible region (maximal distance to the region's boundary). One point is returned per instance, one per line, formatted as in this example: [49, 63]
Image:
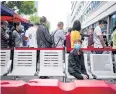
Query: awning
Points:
[5, 11]
[16, 18]
[10, 16]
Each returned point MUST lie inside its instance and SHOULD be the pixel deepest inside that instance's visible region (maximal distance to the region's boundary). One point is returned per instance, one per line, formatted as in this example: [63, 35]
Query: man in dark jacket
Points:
[44, 39]
[4, 35]
[76, 65]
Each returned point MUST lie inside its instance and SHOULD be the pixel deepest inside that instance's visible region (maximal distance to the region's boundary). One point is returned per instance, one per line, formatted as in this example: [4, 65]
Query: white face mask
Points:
[20, 28]
[85, 37]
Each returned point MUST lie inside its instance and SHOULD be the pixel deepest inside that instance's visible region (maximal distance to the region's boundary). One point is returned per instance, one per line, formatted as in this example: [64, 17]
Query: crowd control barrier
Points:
[53, 86]
[113, 87]
[49, 86]
[69, 49]
[12, 87]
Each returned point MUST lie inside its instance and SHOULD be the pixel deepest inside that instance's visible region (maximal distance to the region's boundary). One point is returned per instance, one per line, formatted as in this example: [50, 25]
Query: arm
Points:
[84, 35]
[26, 35]
[4, 35]
[47, 35]
[101, 40]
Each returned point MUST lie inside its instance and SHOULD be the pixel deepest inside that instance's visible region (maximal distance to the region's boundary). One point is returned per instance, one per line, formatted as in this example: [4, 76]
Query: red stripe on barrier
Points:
[94, 49]
[68, 49]
[39, 48]
[6, 49]
[32, 49]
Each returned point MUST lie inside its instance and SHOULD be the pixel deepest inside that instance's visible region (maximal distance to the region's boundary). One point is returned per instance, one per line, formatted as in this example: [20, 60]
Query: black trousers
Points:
[38, 59]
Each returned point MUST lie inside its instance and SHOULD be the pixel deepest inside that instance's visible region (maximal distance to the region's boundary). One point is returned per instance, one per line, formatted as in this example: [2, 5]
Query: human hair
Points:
[43, 19]
[4, 23]
[102, 22]
[69, 30]
[60, 23]
[78, 41]
[16, 24]
[92, 29]
[76, 25]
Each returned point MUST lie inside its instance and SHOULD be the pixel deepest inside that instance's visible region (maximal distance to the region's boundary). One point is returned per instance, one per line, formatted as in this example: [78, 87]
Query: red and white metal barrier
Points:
[50, 86]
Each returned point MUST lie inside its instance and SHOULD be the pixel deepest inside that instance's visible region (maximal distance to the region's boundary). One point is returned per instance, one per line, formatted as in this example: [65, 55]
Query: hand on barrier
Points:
[84, 76]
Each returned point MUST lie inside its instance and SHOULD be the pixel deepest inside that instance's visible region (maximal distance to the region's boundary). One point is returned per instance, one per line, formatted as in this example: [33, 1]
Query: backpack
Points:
[52, 37]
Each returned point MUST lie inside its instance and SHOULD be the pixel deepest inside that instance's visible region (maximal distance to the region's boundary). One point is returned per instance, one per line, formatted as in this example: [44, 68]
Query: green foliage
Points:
[48, 25]
[34, 19]
[22, 7]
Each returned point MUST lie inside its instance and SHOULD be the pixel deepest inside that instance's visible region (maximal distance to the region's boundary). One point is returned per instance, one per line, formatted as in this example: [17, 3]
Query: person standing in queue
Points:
[43, 36]
[44, 39]
[98, 36]
[68, 42]
[58, 36]
[30, 36]
[4, 35]
[17, 34]
[75, 34]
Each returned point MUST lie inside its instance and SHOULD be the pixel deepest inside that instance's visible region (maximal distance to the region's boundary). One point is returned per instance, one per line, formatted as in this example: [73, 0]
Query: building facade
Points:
[68, 24]
[90, 12]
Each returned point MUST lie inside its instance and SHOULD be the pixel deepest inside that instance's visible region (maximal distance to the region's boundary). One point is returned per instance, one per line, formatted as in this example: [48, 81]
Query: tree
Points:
[22, 7]
[48, 25]
[34, 19]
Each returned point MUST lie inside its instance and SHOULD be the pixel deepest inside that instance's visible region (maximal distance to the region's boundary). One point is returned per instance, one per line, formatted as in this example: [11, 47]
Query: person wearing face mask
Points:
[75, 33]
[17, 34]
[76, 65]
[4, 35]
[98, 36]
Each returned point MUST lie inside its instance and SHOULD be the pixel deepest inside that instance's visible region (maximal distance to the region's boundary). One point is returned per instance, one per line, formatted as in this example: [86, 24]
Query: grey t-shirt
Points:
[18, 38]
[59, 38]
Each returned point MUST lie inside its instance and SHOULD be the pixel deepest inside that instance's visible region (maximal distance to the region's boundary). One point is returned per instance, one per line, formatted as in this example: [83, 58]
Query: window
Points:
[112, 22]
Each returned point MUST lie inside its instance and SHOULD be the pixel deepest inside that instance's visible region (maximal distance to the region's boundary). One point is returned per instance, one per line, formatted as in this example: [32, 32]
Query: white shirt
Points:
[97, 32]
[31, 35]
